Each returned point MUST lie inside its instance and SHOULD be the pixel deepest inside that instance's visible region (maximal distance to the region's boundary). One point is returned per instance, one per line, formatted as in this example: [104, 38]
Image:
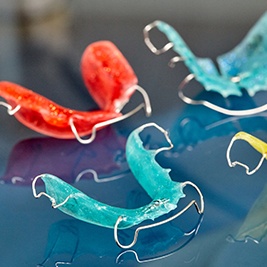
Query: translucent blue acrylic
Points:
[243, 67]
[155, 180]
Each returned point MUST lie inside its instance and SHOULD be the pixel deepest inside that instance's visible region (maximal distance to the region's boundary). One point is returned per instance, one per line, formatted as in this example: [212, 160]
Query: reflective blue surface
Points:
[44, 56]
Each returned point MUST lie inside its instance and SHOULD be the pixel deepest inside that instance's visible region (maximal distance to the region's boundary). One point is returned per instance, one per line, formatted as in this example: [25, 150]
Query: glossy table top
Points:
[43, 55]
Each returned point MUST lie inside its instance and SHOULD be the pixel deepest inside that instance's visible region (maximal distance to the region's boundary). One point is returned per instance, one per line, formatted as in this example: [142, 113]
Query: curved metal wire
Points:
[191, 233]
[173, 61]
[38, 195]
[212, 106]
[234, 163]
[145, 96]
[166, 134]
[200, 210]
[146, 105]
[148, 42]
[11, 111]
[100, 125]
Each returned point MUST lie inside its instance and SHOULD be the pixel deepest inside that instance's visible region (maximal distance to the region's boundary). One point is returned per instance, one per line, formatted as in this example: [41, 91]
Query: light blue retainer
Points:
[155, 180]
[245, 67]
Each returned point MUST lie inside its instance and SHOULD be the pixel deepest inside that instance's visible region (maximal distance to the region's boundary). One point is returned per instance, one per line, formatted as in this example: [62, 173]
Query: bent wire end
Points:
[38, 195]
[212, 106]
[191, 233]
[148, 42]
[166, 135]
[146, 105]
[162, 50]
[173, 61]
[200, 210]
[11, 111]
[259, 145]
[101, 125]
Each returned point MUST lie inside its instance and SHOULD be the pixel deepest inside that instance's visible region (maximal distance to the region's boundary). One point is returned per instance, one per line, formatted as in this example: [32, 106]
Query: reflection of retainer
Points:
[17, 179]
[251, 78]
[155, 180]
[106, 156]
[256, 143]
[79, 243]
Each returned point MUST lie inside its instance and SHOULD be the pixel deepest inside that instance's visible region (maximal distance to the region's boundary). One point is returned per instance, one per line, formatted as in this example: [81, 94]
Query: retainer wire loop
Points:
[146, 105]
[254, 142]
[200, 210]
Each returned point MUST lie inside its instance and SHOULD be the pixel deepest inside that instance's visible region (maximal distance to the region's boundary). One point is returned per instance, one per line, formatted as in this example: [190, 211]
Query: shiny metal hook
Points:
[173, 61]
[146, 105]
[142, 91]
[200, 210]
[212, 106]
[38, 195]
[234, 163]
[191, 233]
[148, 42]
[166, 135]
[100, 125]
[11, 111]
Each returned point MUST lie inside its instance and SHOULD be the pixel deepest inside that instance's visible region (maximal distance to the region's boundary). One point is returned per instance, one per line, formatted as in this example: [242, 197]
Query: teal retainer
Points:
[155, 180]
[244, 67]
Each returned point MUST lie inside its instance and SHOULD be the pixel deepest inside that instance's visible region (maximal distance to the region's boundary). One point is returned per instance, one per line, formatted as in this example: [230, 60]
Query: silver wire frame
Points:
[234, 163]
[11, 111]
[146, 105]
[200, 210]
